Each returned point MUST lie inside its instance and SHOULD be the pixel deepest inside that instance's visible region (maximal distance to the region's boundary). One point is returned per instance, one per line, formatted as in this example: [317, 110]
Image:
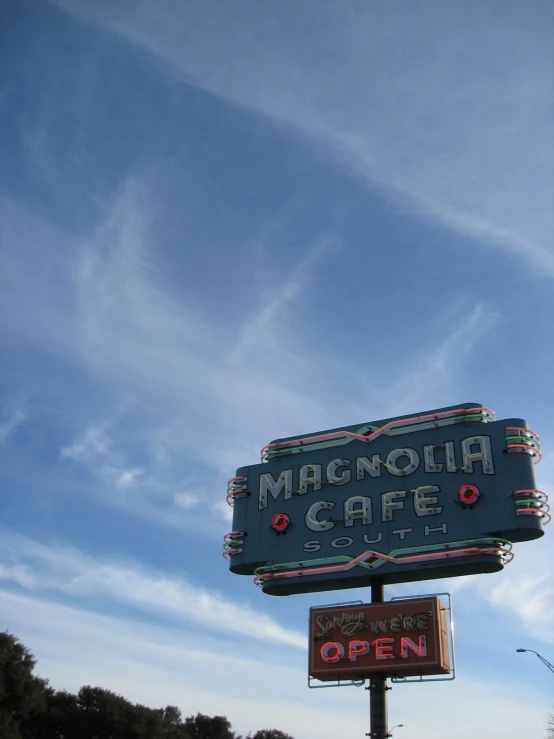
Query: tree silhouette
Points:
[22, 695]
[206, 727]
[31, 709]
[550, 726]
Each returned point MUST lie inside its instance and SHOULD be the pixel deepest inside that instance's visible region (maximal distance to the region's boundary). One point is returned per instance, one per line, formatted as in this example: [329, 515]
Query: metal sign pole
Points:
[378, 684]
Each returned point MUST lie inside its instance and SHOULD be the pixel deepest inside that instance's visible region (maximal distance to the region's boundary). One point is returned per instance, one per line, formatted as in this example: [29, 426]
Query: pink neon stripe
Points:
[538, 511]
[526, 446]
[526, 492]
[378, 431]
[232, 493]
[231, 533]
[234, 479]
[415, 557]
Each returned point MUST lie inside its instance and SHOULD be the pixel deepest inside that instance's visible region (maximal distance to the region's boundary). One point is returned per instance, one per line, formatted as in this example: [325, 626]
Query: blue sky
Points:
[227, 222]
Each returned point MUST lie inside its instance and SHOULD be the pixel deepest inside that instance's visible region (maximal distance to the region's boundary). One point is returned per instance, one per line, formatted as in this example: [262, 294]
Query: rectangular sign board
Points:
[436, 494]
[399, 638]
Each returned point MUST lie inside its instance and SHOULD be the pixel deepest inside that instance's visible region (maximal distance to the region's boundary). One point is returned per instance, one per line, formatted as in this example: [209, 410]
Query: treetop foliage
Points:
[550, 726]
[31, 709]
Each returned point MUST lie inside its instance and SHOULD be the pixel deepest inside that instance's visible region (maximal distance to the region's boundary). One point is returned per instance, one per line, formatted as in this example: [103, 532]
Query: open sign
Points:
[397, 638]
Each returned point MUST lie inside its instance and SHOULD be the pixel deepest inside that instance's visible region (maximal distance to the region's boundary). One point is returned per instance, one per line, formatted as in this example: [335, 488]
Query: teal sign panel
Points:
[436, 494]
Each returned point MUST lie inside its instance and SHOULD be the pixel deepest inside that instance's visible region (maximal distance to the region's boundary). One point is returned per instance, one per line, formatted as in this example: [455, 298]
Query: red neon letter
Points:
[357, 648]
[328, 647]
[383, 648]
[420, 649]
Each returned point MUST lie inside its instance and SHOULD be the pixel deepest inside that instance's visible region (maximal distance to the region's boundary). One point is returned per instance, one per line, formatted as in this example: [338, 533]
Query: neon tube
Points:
[539, 505]
[443, 554]
[236, 487]
[232, 545]
[530, 491]
[523, 441]
[454, 553]
[233, 533]
[536, 511]
[434, 419]
[395, 552]
[528, 448]
[527, 439]
[525, 431]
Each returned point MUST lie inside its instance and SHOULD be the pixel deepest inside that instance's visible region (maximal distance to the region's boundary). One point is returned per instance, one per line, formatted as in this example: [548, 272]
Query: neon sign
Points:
[430, 495]
[396, 638]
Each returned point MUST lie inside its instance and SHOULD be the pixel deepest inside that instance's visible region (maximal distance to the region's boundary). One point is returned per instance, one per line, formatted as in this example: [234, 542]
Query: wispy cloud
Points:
[97, 452]
[268, 254]
[13, 412]
[186, 500]
[151, 491]
[157, 666]
[526, 587]
[448, 110]
[182, 394]
[94, 442]
[49, 569]
[438, 367]
[259, 329]
[135, 332]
